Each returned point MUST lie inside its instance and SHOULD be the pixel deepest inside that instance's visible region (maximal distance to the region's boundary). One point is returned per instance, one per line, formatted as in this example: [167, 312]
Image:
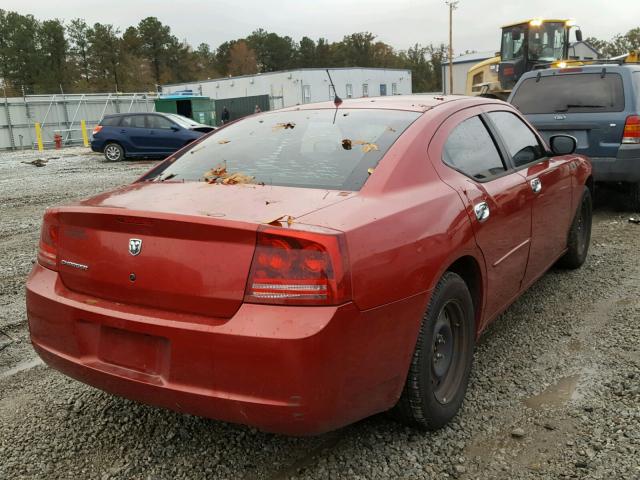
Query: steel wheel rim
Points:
[581, 227]
[112, 152]
[448, 352]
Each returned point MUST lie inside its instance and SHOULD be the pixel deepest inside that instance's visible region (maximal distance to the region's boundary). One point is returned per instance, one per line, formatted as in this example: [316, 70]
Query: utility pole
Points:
[452, 6]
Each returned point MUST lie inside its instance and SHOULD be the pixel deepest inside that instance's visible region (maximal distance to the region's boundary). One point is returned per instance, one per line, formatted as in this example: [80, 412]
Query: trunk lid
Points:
[183, 247]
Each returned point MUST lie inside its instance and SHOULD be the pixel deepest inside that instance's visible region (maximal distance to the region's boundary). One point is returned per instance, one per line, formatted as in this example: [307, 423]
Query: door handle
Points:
[482, 211]
[536, 185]
[123, 131]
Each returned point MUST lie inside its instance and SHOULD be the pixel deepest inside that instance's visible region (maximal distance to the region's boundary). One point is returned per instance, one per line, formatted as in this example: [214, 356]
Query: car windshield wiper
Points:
[575, 105]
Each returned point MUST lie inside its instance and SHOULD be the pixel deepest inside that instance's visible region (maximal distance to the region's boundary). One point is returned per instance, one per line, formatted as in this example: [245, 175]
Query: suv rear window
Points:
[327, 148]
[570, 93]
[110, 121]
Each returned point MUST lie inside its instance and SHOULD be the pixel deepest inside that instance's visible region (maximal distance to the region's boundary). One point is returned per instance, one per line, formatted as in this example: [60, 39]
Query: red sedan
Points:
[302, 269]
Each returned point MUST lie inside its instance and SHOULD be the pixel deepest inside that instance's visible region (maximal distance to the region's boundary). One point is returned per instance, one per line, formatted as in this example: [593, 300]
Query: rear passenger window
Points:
[156, 121]
[135, 121]
[522, 144]
[471, 150]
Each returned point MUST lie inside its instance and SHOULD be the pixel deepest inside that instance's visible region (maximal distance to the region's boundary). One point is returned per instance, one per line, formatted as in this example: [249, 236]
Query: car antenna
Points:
[337, 101]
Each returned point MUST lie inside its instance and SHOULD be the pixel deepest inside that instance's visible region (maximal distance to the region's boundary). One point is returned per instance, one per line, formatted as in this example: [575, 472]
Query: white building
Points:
[583, 51]
[461, 65]
[305, 85]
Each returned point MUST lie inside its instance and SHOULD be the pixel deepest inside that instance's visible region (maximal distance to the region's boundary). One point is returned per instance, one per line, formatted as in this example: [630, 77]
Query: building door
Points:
[383, 89]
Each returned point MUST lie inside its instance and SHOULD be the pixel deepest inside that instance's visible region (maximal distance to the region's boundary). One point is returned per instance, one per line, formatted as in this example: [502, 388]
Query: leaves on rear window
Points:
[370, 170]
[219, 175]
[284, 126]
[346, 144]
[367, 146]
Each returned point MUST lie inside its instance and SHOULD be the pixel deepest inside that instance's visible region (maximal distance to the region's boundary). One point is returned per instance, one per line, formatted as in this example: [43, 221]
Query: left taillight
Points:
[631, 130]
[299, 267]
[49, 238]
[96, 129]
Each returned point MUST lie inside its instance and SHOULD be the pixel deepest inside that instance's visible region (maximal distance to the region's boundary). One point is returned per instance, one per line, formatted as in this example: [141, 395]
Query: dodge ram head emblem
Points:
[135, 246]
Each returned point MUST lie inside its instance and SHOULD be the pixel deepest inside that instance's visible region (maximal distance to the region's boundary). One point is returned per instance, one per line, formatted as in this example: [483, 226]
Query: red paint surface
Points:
[181, 335]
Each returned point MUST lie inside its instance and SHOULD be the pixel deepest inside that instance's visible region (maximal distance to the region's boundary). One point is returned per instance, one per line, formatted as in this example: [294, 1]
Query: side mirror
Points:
[174, 128]
[579, 35]
[563, 144]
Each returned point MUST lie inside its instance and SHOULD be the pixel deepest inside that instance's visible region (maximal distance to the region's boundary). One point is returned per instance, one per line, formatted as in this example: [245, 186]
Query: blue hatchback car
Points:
[599, 105]
[137, 135]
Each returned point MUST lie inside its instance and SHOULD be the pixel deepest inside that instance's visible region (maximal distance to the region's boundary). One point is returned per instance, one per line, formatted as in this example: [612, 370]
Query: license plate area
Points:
[135, 351]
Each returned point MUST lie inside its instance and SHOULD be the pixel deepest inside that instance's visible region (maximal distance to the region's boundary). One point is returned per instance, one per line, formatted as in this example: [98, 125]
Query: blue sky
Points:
[401, 23]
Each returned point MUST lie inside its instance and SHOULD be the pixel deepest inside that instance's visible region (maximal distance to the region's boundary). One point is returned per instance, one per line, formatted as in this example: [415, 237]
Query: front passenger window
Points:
[522, 144]
[471, 150]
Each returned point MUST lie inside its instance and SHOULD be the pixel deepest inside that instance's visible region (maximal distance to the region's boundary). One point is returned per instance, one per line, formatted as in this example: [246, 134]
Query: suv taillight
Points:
[96, 129]
[49, 237]
[299, 267]
[631, 130]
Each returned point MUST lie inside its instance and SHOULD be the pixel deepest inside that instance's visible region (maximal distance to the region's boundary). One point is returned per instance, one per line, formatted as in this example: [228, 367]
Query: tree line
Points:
[51, 56]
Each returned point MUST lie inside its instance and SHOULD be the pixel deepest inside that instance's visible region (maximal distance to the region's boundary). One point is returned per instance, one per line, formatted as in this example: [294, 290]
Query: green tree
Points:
[155, 39]
[53, 55]
[106, 55]
[306, 53]
[78, 32]
[19, 53]
[273, 52]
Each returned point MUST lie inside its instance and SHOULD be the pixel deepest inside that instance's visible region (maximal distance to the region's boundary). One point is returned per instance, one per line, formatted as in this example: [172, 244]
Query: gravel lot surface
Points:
[555, 390]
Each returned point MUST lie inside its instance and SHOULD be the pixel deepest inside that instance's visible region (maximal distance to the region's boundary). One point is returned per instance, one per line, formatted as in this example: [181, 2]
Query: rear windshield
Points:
[182, 121]
[110, 121]
[570, 93]
[332, 149]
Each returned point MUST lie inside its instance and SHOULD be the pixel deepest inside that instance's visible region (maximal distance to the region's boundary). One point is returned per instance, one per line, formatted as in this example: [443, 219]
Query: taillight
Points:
[49, 238]
[299, 267]
[631, 130]
[96, 129]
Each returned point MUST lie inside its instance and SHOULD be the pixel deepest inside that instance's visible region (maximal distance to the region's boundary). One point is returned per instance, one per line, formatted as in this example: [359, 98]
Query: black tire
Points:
[579, 234]
[113, 152]
[434, 391]
[633, 197]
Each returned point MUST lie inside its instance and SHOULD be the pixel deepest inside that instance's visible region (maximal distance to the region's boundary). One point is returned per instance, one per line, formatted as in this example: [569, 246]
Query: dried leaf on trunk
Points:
[283, 218]
[222, 142]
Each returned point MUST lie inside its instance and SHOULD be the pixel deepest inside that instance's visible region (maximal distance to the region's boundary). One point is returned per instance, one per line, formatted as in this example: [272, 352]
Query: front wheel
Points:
[441, 363]
[113, 152]
[579, 235]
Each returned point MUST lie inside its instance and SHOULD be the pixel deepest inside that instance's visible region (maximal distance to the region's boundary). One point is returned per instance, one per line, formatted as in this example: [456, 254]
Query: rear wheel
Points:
[633, 197]
[113, 152]
[441, 363]
[579, 235]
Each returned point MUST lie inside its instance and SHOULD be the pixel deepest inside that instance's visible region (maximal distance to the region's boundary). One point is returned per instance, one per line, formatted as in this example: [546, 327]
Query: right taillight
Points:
[49, 238]
[631, 130]
[96, 129]
[294, 266]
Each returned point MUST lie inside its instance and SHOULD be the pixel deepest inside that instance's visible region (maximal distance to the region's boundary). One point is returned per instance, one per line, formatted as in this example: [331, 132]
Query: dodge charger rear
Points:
[300, 270]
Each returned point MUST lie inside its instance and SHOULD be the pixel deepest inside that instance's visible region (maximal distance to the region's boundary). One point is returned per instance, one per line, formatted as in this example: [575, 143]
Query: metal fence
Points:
[62, 114]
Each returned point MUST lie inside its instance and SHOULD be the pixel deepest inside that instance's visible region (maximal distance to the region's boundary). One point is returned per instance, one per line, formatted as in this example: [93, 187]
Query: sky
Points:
[400, 23]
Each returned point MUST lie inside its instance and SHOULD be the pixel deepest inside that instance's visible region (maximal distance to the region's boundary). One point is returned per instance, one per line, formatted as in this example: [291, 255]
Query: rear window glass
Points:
[303, 148]
[570, 93]
[110, 121]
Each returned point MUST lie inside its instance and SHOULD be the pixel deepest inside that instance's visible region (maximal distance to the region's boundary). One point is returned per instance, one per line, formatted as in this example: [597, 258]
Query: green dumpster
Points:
[199, 108]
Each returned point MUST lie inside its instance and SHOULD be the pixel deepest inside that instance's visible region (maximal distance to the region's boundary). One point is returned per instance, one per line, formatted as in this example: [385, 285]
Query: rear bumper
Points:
[291, 370]
[623, 168]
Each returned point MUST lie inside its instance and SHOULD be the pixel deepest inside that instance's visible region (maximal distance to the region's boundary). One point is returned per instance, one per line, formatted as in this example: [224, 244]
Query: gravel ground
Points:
[555, 390]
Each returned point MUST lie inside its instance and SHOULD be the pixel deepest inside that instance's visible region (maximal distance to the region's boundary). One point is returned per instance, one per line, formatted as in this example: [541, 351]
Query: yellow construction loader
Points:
[535, 43]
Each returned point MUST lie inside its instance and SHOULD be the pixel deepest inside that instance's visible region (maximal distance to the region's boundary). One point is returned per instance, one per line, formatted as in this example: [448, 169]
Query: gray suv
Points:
[597, 104]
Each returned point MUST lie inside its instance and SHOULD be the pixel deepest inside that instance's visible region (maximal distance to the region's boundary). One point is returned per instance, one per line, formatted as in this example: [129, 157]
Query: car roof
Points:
[412, 103]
